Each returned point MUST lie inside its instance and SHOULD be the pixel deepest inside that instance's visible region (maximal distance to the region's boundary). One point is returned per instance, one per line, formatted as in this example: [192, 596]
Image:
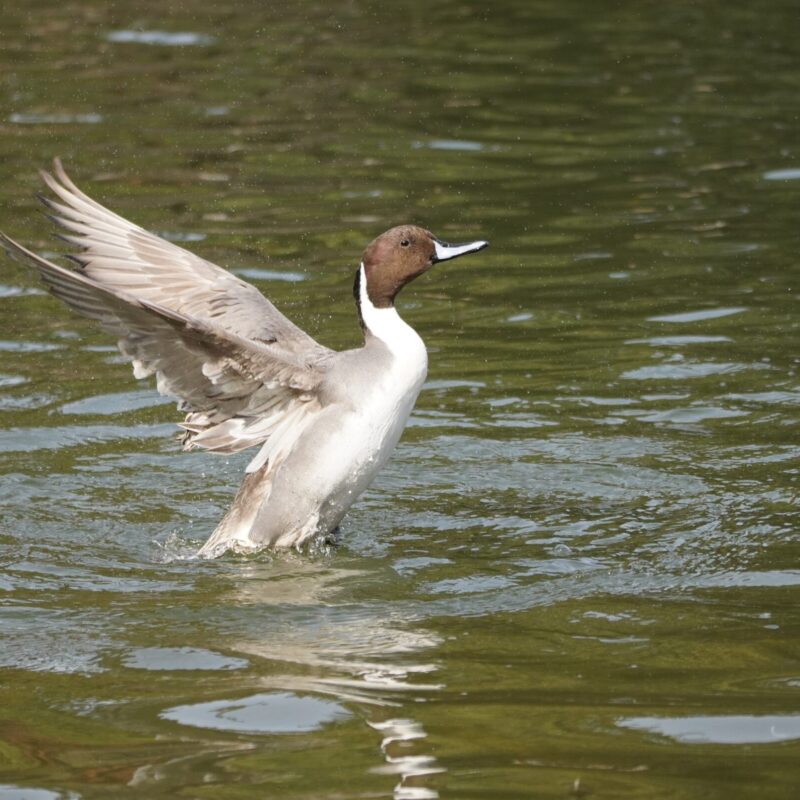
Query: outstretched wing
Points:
[239, 392]
[122, 256]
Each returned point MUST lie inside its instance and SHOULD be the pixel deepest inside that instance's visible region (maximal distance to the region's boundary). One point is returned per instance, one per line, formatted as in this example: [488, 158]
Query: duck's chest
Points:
[382, 387]
[389, 395]
[389, 402]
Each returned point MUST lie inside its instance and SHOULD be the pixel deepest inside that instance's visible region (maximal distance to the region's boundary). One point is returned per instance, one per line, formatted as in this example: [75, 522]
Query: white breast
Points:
[381, 414]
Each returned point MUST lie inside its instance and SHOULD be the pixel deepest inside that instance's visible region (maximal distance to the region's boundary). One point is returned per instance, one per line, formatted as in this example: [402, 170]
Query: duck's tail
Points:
[233, 531]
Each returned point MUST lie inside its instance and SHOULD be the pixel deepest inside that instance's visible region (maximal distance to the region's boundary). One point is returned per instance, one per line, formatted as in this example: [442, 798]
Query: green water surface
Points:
[578, 576]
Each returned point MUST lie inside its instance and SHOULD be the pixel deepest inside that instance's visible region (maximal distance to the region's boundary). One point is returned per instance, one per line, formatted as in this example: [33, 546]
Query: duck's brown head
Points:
[401, 254]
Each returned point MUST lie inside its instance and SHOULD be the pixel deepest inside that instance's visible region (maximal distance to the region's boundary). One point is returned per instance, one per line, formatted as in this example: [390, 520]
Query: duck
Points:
[244, 375]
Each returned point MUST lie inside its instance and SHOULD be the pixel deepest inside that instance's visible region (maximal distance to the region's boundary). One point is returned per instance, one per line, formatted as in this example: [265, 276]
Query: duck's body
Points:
[326, 421]
[368, 395]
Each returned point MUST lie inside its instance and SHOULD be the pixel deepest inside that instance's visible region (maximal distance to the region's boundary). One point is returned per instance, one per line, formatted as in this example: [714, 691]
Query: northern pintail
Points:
[244, 374]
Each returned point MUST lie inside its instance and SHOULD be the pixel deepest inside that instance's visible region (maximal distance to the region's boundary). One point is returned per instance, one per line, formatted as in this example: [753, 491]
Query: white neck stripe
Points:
[384, 323]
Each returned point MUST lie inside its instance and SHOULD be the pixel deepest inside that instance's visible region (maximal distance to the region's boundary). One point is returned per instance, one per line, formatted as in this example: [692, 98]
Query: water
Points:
[578, 576]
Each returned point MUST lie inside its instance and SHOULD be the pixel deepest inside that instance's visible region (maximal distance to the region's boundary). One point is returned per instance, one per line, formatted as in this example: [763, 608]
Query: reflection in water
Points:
[359, 654]
[751, 729]
[410, 767]
[164, 659]
[268, 712]
[55, 119]
[177, 39]
[9, 792]
[698, 316]
[165, 773]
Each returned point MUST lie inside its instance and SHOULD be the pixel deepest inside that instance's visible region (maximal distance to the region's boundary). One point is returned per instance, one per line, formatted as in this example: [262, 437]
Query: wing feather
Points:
[121, 255]
[238, 392]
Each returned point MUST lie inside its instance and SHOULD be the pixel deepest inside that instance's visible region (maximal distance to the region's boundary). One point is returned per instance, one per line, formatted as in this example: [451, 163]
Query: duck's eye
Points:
[405, 243]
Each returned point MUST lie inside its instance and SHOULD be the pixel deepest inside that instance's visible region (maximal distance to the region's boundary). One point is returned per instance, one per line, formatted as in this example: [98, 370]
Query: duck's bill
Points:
[444, 251]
